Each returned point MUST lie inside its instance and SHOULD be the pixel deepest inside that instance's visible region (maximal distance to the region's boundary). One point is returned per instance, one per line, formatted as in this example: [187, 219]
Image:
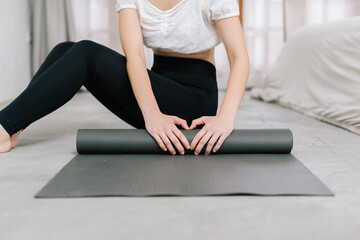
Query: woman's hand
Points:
[163, 129]
[216, 127]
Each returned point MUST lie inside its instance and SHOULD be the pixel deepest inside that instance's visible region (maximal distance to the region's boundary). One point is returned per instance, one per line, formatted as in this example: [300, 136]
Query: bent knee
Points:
[64, 45]
[88, 48]
[86, 44]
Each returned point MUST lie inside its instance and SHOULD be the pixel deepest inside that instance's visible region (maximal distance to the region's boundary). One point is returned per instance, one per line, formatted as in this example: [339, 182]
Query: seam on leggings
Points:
[92, 61]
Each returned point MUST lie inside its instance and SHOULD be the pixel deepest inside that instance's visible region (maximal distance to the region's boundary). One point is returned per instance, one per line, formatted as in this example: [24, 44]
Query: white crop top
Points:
[188, 27]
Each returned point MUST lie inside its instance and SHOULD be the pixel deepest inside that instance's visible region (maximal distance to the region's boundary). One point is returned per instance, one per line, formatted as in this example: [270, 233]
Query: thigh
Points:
[110, 81]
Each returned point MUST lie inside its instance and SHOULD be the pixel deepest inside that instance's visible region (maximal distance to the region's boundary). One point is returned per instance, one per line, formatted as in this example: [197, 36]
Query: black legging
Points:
[185, 87]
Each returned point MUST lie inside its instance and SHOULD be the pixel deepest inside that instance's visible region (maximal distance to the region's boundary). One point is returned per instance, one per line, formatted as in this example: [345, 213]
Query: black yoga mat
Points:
[129, 162]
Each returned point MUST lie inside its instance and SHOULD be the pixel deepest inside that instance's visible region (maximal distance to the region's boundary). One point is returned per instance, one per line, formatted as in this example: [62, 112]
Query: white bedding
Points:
[318, 73]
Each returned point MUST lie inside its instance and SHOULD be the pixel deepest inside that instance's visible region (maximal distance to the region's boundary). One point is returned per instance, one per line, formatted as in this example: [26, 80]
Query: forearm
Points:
[140, 83]
[239, 73]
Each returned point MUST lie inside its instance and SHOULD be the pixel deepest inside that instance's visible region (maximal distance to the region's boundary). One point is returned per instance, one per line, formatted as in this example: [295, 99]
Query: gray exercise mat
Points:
[128, 162]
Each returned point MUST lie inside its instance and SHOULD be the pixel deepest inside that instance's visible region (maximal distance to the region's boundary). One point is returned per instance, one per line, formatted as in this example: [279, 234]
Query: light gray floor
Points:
[331, 153]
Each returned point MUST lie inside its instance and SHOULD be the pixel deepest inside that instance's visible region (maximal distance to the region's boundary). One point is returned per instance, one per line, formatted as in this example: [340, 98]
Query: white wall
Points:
[14, 48]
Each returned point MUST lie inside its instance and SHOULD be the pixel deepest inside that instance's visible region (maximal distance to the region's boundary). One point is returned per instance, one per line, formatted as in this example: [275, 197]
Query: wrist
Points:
[227, 115]
[147, 113]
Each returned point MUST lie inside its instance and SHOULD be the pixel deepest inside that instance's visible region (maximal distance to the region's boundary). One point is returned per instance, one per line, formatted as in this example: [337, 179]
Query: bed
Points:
[318, 73]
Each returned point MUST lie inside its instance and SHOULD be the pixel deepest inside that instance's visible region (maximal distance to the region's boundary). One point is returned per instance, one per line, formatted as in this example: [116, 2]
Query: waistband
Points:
[185, 65]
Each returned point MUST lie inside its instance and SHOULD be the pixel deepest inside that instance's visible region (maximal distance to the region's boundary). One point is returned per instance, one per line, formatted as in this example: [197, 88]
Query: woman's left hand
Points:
[216, 127]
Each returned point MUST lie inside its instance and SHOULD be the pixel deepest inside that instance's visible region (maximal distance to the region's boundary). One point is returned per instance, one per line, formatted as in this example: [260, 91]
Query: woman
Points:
[180, 88]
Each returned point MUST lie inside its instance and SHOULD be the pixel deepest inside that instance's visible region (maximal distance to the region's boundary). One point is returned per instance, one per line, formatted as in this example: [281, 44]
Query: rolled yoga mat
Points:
[129, 162]
[122, 141]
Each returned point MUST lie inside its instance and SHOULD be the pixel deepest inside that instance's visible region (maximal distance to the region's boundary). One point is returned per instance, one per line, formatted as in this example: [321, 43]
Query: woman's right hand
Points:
[163, 129]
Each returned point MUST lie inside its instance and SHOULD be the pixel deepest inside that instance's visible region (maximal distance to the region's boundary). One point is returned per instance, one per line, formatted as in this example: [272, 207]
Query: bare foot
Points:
[14, 138]
[5, 142]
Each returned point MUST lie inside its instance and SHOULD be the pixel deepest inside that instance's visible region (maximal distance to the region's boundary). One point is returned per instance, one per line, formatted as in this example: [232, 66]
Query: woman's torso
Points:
[169, 4]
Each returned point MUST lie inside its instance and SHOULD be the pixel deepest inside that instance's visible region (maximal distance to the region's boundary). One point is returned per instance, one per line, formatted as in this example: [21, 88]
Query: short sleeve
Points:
[220, 9]
[120, 4]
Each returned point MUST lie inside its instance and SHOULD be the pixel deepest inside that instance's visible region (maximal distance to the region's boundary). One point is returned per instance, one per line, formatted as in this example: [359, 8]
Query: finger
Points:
[203, 141]
[197, 121]
[211, 142]
[182, 137]
[175, 141]
[181, 122]
[160, 142]
[167, 142]
[219, 143]
[197, 137]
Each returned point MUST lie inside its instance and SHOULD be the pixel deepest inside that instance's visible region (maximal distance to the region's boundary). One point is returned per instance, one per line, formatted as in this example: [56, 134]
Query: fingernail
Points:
[182, 153]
